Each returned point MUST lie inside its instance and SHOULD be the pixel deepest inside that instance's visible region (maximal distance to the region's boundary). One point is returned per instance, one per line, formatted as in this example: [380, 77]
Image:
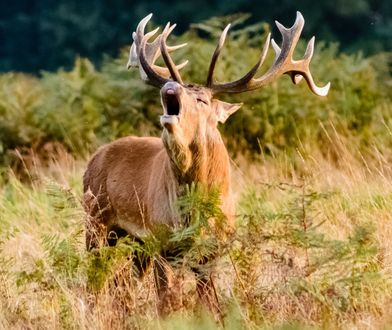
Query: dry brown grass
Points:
[44, 273]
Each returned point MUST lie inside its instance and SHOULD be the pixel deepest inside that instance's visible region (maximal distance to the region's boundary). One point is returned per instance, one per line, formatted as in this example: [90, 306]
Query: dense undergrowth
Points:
[312, 245]
[308, 251]
[87, 106]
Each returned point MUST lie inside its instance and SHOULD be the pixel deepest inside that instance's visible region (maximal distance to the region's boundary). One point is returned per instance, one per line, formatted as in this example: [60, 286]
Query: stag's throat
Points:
[178, 152]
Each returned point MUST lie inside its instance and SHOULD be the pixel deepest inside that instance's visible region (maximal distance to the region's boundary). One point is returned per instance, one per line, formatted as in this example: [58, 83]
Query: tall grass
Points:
[309, 250]
[312, 243]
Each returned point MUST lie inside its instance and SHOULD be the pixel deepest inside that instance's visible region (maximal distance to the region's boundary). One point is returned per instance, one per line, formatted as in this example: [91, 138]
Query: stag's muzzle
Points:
[171, 103]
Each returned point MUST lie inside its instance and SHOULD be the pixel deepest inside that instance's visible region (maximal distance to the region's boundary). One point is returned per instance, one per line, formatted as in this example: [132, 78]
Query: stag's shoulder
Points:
[128, 146]
[132, 144]
[120, 152]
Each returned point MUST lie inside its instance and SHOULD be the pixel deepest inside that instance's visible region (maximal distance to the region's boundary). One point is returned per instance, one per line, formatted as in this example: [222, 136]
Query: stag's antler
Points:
[144, 54]
[283, 63]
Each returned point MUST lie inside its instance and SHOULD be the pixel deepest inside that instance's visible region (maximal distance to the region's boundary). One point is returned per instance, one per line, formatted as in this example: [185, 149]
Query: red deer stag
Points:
[132, 184]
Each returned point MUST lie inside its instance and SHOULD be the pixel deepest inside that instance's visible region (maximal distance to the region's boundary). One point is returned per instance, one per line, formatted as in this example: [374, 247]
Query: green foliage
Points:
[197, 241]
[20, 96]
[337, 276]
[292, 263]
[63, 254]
[102, 265]
[84, 107]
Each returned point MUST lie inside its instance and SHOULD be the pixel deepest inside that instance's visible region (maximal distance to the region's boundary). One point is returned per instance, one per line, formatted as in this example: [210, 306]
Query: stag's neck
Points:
[205, 160]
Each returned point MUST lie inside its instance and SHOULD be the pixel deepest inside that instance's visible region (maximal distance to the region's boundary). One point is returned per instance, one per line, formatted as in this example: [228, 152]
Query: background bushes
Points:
[86, 106]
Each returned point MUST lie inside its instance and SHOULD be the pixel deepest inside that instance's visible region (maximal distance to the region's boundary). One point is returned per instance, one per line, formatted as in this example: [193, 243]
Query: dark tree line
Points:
[45, 34]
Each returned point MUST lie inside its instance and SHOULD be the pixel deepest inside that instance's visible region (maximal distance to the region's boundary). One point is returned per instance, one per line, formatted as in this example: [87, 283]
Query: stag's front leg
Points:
[169, 287]
[206, 292]
[160, 277]
[162, 286]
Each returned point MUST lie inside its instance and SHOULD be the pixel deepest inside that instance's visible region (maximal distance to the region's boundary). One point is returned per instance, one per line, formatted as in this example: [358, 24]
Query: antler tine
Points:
[295, 78]
[150, 74]
[151, 49]
[174, 71]
[151, 53]
[137, 36]
[141, 27]
[321, 91]
[300, 68]
[290, 39]
[244, 82]
[174, 48]
[216, 54]
[283, 64]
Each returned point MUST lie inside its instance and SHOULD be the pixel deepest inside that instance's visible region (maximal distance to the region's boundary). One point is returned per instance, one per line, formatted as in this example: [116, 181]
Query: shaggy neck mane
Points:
[204, 161]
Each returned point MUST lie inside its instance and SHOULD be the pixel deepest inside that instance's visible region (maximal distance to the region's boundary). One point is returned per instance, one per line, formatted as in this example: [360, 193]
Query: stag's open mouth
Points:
[170, 94]
[172, 105]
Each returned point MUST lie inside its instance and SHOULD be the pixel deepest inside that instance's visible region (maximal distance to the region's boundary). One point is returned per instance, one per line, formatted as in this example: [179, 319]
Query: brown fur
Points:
[133, 183]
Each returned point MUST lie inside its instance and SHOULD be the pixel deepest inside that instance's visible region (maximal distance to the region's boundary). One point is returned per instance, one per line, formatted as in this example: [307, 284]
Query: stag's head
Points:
[189, 109]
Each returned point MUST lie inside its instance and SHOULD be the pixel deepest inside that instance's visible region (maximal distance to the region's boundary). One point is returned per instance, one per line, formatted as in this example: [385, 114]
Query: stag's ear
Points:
[224, 110]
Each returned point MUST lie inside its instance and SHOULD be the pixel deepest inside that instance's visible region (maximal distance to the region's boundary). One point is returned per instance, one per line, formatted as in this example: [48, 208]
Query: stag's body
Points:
[132, 184]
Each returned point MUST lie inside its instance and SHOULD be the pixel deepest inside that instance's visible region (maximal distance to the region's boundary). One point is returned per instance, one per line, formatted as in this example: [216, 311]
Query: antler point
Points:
[281, 27]
[299, 20]
[275, 46]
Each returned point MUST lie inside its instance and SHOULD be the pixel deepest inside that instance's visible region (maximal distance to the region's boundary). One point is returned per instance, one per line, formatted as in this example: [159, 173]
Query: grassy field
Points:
[313, 187]
[312, 250]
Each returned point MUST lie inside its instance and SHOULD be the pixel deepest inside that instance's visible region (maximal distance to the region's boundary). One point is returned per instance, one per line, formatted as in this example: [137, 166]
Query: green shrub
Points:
[87, 106]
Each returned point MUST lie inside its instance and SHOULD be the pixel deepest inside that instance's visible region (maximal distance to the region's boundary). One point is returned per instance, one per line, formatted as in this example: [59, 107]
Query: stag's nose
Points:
[171, 88]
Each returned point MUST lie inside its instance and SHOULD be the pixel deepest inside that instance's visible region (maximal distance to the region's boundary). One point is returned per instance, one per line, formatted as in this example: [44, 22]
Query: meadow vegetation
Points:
[312, 177]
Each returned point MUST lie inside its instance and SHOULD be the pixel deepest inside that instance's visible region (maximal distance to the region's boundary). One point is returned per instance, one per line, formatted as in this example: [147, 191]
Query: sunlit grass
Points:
[334, 273]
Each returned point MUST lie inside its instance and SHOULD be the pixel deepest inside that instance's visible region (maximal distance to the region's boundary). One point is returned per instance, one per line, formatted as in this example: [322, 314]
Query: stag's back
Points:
[125, 182]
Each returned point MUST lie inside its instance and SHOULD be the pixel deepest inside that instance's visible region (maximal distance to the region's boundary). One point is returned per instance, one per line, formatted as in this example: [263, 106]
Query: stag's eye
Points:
[202, 101]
